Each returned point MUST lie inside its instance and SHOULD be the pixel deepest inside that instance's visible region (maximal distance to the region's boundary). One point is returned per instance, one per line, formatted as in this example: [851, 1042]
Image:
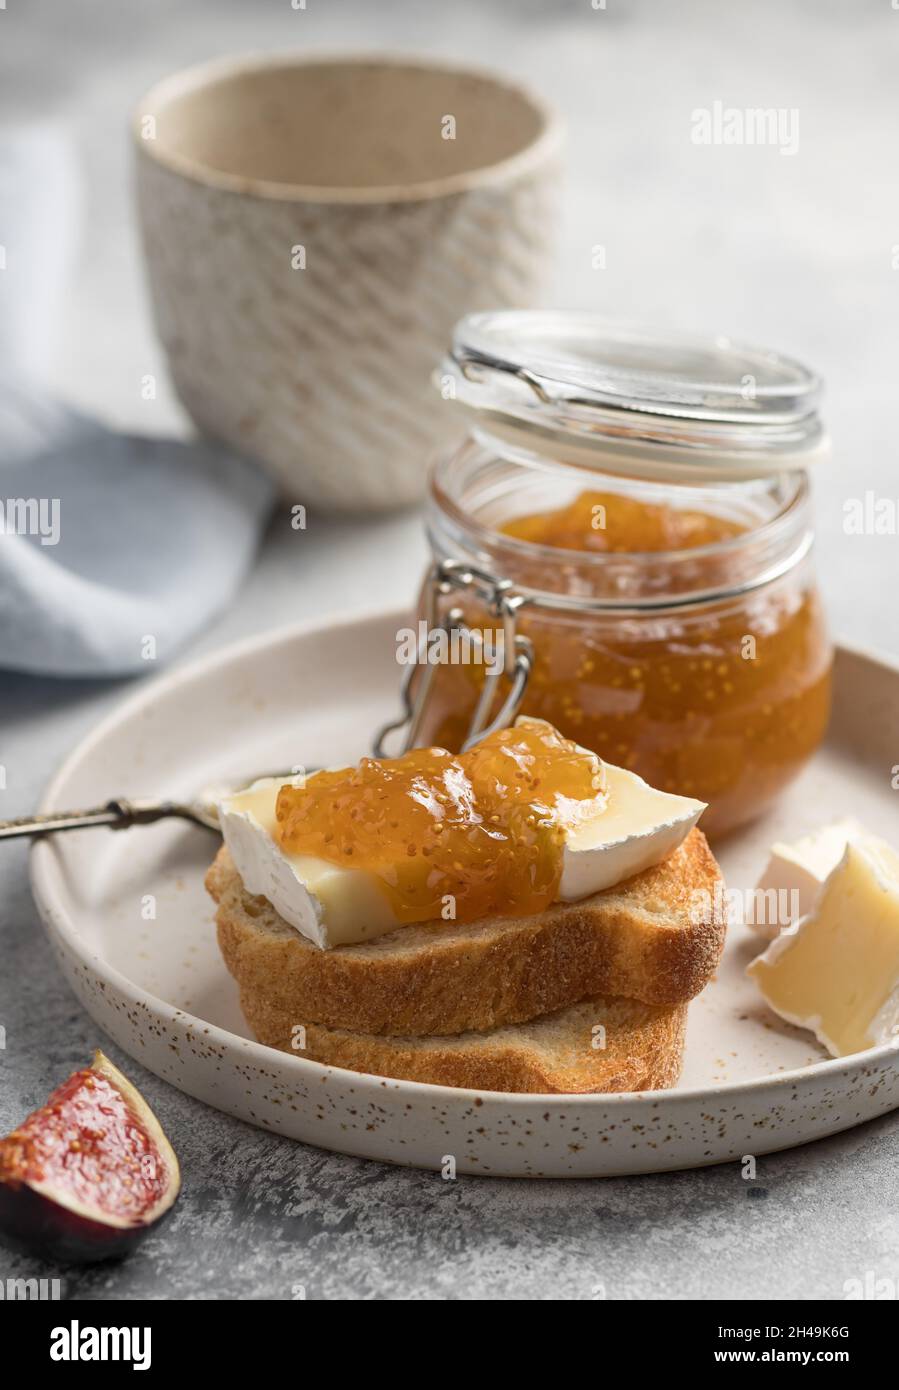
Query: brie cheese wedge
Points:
[634, 828]
[302, 888]
[639, 827]
[837, 974]
[801, 869]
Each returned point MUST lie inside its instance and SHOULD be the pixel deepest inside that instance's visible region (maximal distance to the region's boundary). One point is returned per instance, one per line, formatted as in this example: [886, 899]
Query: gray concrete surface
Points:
[795, 251]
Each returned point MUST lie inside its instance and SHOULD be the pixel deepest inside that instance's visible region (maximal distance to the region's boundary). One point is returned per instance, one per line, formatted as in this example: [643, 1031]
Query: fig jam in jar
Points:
[641, 504]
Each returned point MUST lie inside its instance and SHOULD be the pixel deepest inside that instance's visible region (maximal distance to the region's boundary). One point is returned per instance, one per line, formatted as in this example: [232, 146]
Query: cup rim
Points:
[198, 75]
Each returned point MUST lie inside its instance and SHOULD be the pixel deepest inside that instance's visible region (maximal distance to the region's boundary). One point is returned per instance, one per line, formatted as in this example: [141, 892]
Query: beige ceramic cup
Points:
[313, 229]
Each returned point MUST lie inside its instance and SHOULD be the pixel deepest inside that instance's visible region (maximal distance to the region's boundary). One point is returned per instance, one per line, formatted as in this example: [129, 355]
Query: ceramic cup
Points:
[313, 228]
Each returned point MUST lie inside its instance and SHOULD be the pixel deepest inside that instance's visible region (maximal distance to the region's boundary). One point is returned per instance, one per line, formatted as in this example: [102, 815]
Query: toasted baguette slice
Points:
[640, 1049]
[643, 939]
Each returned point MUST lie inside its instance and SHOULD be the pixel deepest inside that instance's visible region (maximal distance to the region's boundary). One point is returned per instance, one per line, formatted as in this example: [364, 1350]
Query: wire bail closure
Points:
[502, 603]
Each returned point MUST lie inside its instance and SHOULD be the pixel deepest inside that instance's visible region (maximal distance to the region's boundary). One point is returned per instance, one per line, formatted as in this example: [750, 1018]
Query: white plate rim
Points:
[56, 917]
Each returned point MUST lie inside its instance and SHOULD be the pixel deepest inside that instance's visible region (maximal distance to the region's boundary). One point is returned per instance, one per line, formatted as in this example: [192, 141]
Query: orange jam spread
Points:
[476, 835]
[607, 522]
[723, 700]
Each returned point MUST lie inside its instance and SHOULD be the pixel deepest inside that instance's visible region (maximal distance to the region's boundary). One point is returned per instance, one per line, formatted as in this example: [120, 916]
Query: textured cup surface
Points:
[311, 237]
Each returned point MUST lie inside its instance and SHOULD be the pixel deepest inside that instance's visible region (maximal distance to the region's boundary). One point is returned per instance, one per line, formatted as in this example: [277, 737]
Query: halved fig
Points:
[89, 1174]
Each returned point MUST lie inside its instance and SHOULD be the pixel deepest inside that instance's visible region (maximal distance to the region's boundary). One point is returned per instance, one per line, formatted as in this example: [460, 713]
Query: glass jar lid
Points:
[624, 399]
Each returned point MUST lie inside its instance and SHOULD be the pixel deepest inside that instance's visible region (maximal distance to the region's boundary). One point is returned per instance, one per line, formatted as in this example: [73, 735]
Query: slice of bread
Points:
[657, 938]
[597, 1045]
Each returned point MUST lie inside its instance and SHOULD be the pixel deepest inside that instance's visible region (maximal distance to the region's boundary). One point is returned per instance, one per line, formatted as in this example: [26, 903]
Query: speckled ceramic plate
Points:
[751, 1084]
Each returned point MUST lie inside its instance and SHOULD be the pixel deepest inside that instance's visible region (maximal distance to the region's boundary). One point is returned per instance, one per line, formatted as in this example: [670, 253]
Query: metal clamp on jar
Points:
[633, 509]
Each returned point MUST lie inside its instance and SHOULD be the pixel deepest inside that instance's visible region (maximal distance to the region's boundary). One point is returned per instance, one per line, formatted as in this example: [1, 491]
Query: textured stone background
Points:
[795, 252]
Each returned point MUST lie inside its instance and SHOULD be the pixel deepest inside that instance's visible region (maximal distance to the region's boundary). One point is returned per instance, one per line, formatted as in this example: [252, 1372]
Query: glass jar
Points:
[641, 505]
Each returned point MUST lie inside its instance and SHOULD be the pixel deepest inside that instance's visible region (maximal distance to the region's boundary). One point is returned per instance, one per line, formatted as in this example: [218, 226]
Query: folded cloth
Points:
[114, 549]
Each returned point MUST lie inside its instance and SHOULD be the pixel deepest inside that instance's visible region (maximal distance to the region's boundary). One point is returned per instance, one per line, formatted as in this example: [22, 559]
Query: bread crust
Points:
[640, 1048]
[643, 939]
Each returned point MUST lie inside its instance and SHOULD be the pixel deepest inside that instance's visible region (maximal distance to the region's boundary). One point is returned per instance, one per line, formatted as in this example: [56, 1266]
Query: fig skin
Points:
[37, 1225]
[44, 1213]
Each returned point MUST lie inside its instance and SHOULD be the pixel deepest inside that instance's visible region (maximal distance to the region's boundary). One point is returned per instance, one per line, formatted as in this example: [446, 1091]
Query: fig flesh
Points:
[89, 1174]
